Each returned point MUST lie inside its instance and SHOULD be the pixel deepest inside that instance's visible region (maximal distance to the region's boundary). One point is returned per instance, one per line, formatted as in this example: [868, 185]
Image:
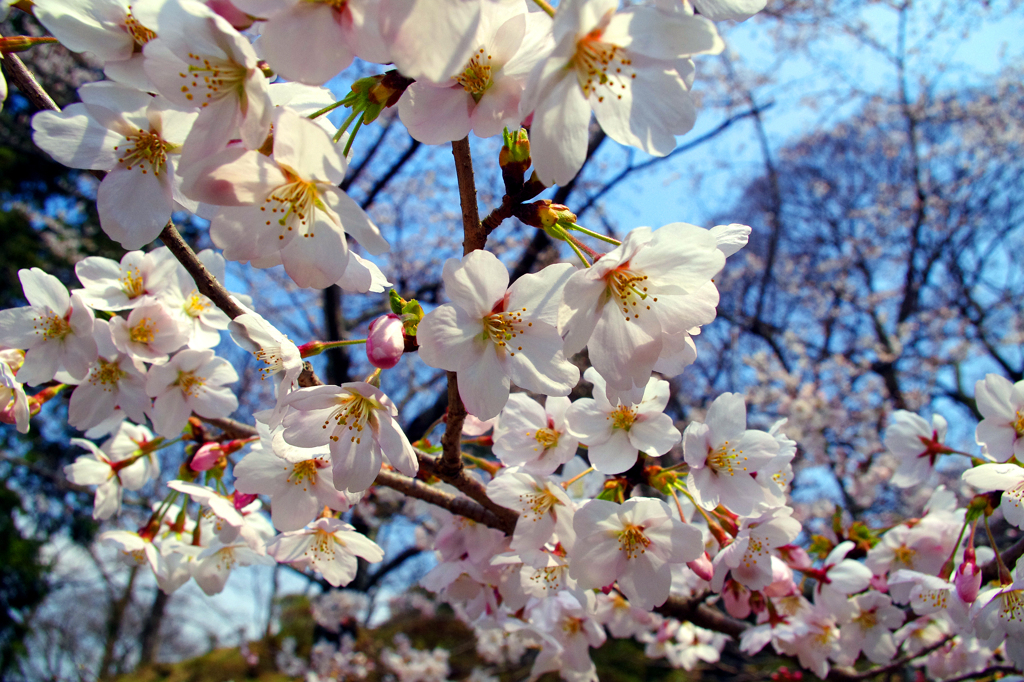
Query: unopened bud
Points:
[514, 159]
[386, 341]
[968, 580]
[702, 567]
[374, 94]
[22, 43]
[553, 218]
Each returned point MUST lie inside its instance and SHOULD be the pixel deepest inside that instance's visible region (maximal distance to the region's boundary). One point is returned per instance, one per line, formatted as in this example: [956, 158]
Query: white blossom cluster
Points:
[190, 120]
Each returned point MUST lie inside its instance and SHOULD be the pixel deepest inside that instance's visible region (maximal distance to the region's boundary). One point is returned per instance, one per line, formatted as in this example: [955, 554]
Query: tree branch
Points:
[475, 237]
[206, 283]
[462, 506]
[26, 82]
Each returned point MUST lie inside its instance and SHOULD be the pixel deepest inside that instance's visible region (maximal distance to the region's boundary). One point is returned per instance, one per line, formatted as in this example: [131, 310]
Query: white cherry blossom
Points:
[916, 444]
[116, 380]
[630, 67]
[430, 40]
[110, 474]
[137, 139]
[1001, 403]
[110, 285]
[492, 334]
[632, 544]
[149, 332]
[615, 433]
[723, 454]
[213, 566]
[542, 505]
[13, 401]
[54, 329]
[192, 381]
[533, 436]
[1008, 478]
[196, 311]
[358, 422]
[327, 545]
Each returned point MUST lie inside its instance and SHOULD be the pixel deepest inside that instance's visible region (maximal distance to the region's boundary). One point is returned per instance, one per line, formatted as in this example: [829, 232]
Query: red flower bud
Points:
[386, 341]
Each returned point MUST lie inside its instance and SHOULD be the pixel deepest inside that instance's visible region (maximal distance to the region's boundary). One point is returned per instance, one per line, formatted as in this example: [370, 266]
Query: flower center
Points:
[272, 359]
[548, 438]
[622, 417]
[303, 472]
[296, 200]
[146, 147]
[572, 626]
[107, 373]
[211, 79]
[726, 460]
[189, 383]
[143, 332]
[903, 556]
[632, 541]
[195, 304]
[600, 64]
[1018, 423]
[476, 77]
[503, 327]
[537, 504]
[53, 326]
[140, 33]
[548, 578]
[629, 288]
[353, 412]
[867, 619]
[1013, 606]
[132, 284]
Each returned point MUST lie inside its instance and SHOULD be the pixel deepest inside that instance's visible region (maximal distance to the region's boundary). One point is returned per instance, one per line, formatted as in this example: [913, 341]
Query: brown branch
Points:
[308, 377]
[453, 503]
[451, 442]
[702, 615]
[230, 427]
[469, 485]
[206, 283]
[990, 571]
[26, 82]
[475, 237]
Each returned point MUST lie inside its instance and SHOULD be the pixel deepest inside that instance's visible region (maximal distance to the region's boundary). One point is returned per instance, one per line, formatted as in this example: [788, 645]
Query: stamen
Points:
[189, 383]
[143, 332]
[107, 374]
[52, 326]
[598, 64]
[632, 541]
[132, 284]
[147, 149]
[726, 460]
[476, 77]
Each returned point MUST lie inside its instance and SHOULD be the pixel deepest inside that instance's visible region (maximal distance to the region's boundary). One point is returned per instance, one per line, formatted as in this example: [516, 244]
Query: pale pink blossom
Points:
[1001, 403]
[633, 545]
[748, 559]
[614, 434]
[357, 421]
[111, 475]
[916, 444]
[492, 334]
[54, 329]
[542, 506]
[1009, 478]
[116, 380]
[429, 40]
[213, 566]
[870, 630]
[723, 454]
[385, 341]
[149, 333]
[136, 550]
[200, 315]
[192, 381]
[110, 285]
[13, 401]
[133, 136]
[327, 545]
[533, 436]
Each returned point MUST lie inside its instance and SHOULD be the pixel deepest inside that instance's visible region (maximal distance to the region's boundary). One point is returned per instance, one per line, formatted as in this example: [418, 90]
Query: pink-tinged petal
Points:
[655, 435]
[541, 293]
[644, 585]
[17, 327]
[295, 506]
[483, 386]
[998, 438]
[304, 147]
[170, 413]
[537, 364]
[360, 545]
[134, 205]
[216, 126]
[90, 404]
[727, 417]
[993, 394]
[396, 447]
[430, 41]
[679, 314]
[214, 402]
[316, 27]
[994, 476]
[75, 139]
[663, 35]
[589, 423]
[339, 570]
[476, 283]
[498, 109]
[625, 349]
[232, 177]
[317, 259]
[849, 576]
[356, 461]
[43, 290]
[558, 136]
[435, 114]
[354, 220]
[701, 484]
[583, 301]
[41, 364]
[108, 500]
[450, 339]
[613, 456]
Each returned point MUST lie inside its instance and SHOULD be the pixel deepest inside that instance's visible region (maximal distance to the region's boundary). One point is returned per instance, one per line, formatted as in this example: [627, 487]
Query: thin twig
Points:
[453, 503]
[475, 237]
[451, 442]
[26, 82]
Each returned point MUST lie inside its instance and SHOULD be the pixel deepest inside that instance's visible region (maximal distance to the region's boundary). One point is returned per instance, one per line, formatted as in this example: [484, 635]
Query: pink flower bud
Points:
[243, 500]
[206, 457]
[968, 577]
[386, 341]
[702, 567]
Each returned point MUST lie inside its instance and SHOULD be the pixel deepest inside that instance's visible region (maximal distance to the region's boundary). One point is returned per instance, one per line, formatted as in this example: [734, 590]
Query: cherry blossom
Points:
[137, 139]
[723, 454]
[287, 208]
[109, 473]
[870, 630]
[213, 566]
[492, 334]
[116, 380]
[54, 329]
[199, 61]
[13, 401]
[542, 505]
[484, 96]
[110, 285]
[631, 544]
[533, 436]
[197, 312]
[1008, 478]
[608, 61]
[192, 381]
[916, 444]
[233, 517]
[433, 40]
[136, 549]
[623, 307]
[614, 433]
[149, 332]
[1001, 403]
[748, 558]
[327, 545]
[385, 341]
[364, 431]
[280, 357]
